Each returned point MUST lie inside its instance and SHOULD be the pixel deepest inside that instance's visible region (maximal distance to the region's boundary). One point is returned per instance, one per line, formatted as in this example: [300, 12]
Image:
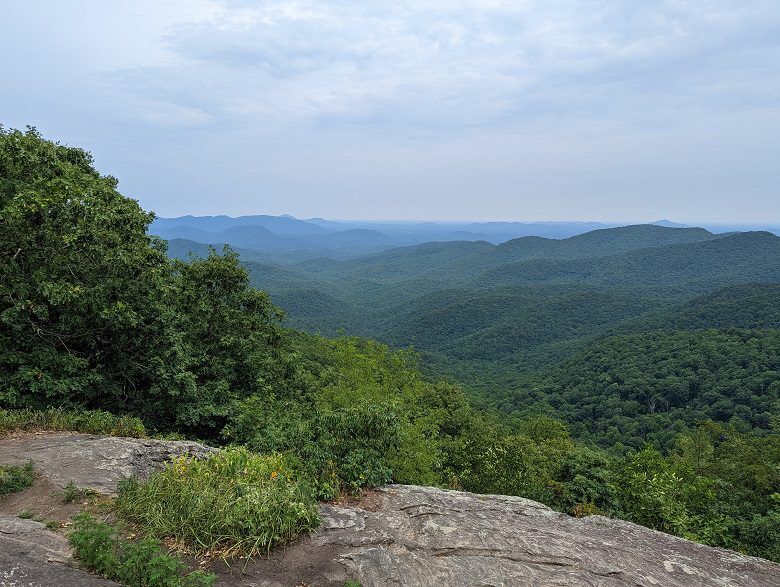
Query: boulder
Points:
[428, 536]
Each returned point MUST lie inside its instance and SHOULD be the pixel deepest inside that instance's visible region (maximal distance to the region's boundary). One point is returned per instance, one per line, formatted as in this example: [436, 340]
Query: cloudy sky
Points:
[480, 110]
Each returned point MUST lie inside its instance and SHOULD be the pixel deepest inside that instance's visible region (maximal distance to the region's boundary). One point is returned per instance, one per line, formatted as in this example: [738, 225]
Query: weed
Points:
[71, 493]
[14, 478]
[26, 514]
[143, 563]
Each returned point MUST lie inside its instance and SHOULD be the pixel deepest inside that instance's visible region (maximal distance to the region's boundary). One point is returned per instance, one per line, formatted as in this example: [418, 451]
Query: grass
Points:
[143, 563]
[26, 514]
[233, 503]
[86, 421]
[14, 478]
[72, 492]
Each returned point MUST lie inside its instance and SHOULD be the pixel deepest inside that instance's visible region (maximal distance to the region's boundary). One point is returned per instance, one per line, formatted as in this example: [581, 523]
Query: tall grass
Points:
[234, 503]
[86, 421]
[13, 478]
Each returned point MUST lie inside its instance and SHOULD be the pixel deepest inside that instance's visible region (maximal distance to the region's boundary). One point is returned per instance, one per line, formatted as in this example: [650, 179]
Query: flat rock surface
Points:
[90, 461]
[32, 556]
[426, 536]
[398, 535]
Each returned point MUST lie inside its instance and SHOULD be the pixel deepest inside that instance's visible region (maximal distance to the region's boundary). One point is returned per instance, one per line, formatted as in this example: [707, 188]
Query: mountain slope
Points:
[643, 387]
[695, 266]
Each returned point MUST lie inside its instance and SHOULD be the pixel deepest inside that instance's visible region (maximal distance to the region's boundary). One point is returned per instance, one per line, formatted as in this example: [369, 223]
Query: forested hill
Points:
[647, 386]
[493, 316]
[705, 258]
[457, 260]
[476, 300]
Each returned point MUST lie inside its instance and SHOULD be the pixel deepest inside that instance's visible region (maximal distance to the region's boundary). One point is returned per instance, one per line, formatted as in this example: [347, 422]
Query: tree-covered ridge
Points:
[93, 314]
[505, 322]
[749, 305]
[420, 295]
[646, 387]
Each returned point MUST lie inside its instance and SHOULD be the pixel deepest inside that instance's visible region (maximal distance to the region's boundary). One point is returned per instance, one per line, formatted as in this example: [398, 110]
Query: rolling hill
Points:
[519, 322]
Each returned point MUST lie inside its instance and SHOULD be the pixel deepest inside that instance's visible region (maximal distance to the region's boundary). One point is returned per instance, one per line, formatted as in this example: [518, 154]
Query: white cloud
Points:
[302, 83]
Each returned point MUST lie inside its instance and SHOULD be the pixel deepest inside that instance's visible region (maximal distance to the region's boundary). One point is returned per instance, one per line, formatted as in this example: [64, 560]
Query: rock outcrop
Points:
[397, 535]
[92, 462]
[427, 536]
[32, 556]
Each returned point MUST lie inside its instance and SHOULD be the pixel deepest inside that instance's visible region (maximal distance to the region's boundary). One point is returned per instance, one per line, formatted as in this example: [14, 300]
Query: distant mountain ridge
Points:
[288, 239]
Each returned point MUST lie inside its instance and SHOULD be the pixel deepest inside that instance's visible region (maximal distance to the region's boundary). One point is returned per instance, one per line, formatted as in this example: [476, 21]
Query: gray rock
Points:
[427, 536]
[90, 461]
[32, 556]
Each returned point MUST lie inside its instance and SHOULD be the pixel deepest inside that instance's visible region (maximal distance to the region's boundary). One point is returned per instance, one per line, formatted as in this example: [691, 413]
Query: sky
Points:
[452, 110]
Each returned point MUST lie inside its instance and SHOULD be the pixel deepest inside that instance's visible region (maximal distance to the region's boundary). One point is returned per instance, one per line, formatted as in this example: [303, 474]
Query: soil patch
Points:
[44, 500]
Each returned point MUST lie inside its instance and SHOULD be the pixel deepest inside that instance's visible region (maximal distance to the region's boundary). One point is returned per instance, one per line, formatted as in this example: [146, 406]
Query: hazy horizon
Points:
[457, 111]
[620, 222]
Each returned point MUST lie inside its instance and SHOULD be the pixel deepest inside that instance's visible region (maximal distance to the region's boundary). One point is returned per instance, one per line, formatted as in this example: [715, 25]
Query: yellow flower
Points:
[273, 474]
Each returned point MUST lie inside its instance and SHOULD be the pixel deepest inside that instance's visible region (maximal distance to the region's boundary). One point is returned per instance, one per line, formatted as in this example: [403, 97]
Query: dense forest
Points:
[633, 376]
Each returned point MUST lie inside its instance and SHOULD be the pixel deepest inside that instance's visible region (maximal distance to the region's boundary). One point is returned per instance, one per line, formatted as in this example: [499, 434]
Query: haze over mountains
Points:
[284, 238]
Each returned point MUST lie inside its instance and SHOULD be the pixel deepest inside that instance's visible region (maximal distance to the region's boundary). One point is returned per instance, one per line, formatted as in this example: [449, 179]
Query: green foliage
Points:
[78, 318]
[95, 545]
[368, 419]
[630, 389]
[340, 449]
[527, 463]
[14, 478]
[139, 564]
[94, 315]
[234, 501]
[71, 493]
[87, 421]
[657, 495]
[235, 346]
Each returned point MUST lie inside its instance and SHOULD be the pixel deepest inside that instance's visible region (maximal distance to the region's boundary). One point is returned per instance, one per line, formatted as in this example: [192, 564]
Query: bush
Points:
[341, 449]
[235, 501]
[141, 564]
[86, 421]
[13, 479]
[71, 493]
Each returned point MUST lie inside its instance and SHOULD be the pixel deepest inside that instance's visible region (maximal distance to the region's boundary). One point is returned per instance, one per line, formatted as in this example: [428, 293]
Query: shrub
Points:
[71, 493]
[13, 478]
[86, 421]
[235, 501]
[143, 564]
[342, 449]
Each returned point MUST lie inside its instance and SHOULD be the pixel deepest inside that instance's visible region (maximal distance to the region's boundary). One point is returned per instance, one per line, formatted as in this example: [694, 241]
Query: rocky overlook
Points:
[396, 535]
